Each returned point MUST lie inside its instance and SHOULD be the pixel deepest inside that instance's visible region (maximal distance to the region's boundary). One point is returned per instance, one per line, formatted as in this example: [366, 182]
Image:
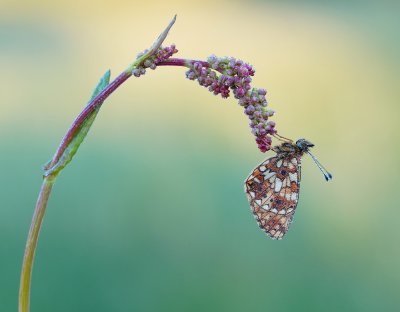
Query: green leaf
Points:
[104, 81]
[72, 148]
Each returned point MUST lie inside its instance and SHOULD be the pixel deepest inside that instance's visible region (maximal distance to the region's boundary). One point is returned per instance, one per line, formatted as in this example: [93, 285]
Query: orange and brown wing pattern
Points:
[273, 193]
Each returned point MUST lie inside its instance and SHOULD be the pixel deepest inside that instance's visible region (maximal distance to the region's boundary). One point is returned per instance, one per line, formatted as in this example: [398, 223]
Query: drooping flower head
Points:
[222, 75]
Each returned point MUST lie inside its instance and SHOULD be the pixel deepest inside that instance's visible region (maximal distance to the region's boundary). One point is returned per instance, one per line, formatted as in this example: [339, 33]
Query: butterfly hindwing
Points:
[273, 192]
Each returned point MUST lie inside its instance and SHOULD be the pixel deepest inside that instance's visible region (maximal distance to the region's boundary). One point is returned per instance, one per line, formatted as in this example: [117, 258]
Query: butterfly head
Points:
[304, 145]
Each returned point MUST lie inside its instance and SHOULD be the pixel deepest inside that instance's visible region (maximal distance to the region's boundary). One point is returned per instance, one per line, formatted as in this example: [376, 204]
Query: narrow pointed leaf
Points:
[72, 148]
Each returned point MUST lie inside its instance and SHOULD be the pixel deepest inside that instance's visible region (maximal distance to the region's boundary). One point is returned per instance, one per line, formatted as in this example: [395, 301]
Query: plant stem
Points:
[181, 62]
[48, 181]
[50, 176]
[101, 97]
[32, 242]
[97, 101]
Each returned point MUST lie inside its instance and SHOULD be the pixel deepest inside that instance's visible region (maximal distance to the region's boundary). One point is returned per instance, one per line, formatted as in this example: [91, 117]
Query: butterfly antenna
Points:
[281, 138]
[325, 172]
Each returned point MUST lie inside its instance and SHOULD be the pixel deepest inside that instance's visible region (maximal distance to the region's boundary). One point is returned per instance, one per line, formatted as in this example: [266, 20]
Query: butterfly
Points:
[272, 188]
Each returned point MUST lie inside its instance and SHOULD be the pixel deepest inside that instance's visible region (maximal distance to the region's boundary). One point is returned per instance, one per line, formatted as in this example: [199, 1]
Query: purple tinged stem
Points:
[182, 62]
[97, 101]
[102, 96]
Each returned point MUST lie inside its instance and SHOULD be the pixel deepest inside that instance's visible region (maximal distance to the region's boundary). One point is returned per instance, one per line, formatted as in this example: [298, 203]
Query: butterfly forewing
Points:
[273, 192]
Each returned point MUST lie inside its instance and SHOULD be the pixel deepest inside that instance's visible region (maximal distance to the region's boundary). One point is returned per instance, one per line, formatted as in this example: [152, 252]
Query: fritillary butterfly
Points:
[273, 187]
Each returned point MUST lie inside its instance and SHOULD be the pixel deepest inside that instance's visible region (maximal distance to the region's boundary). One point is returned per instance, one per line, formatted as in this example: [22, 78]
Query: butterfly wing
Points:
[273, 193]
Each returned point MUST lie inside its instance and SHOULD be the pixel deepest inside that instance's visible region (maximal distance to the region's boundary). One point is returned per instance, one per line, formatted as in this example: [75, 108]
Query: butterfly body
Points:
[273, 187]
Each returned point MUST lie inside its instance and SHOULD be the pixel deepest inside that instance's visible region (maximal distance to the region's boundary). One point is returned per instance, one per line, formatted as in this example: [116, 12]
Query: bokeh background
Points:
[151, 214]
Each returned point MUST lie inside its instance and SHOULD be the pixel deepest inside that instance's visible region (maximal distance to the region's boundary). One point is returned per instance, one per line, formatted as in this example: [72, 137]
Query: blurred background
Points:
[151, 214]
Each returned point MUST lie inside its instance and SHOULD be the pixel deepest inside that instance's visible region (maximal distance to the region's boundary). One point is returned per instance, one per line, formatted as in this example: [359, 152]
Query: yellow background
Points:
[151, 214]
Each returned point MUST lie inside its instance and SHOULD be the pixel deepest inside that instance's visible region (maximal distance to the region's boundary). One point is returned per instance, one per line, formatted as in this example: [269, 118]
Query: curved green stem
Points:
[31, 243]
[77, 132]
[68, 146]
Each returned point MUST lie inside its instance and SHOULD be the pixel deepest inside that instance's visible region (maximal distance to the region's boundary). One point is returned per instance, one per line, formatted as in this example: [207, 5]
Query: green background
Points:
[151, 214]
